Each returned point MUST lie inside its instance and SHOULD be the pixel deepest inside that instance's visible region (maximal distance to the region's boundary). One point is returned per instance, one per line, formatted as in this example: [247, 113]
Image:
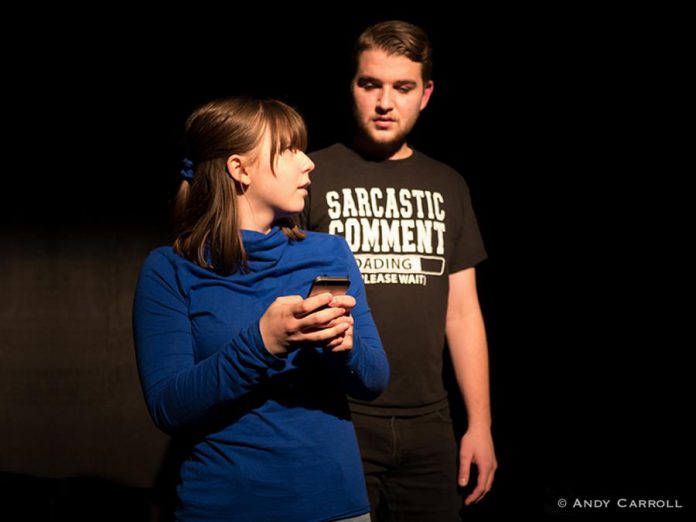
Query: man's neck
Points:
[390, 151]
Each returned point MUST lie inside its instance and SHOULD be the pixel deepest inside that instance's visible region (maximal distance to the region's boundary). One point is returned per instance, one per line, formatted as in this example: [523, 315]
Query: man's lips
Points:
[383, 122]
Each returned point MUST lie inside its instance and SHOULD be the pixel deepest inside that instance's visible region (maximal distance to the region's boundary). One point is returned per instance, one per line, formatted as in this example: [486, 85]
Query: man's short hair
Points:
[399, 38]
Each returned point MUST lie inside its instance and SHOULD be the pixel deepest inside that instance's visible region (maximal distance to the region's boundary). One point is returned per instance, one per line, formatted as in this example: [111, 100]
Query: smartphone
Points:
[337, 285]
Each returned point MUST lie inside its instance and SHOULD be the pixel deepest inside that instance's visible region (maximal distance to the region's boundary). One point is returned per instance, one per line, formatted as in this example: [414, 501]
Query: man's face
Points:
[388, 95]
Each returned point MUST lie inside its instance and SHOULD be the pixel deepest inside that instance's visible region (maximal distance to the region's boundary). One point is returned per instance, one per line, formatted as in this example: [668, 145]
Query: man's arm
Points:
[466, 336]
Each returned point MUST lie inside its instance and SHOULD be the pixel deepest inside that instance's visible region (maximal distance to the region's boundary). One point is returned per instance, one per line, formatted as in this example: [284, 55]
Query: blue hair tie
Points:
[187, 171]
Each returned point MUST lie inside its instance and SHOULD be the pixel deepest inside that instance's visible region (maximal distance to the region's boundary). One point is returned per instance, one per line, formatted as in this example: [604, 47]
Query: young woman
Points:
[231, 355]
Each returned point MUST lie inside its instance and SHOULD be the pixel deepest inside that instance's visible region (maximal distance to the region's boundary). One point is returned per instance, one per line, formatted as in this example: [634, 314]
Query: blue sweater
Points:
[270, 437]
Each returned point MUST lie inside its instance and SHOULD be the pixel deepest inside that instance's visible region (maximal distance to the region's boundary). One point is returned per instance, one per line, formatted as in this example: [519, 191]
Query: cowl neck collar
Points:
[264, 250]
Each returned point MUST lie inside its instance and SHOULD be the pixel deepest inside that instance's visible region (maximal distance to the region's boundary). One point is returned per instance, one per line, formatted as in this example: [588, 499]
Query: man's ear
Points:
[236, 170]
[427, 92]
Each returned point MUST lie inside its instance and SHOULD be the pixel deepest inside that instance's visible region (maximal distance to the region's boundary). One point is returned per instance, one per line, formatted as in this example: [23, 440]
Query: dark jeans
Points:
[410, 466]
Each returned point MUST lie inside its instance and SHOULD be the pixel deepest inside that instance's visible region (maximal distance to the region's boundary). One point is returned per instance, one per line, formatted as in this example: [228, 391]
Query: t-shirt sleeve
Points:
[468, 249]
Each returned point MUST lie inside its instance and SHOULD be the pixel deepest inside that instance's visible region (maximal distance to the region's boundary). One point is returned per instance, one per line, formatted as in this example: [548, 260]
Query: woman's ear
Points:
[236, 169]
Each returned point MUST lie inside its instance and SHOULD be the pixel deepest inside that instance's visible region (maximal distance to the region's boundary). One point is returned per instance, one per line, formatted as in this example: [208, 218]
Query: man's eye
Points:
[366, 84]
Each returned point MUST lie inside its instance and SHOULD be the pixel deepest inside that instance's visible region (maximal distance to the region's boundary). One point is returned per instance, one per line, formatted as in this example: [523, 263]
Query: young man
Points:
[409, 221]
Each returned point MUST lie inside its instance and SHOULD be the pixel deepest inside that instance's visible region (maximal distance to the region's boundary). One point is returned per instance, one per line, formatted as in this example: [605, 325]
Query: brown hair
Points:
[205, 210]
[400, 38]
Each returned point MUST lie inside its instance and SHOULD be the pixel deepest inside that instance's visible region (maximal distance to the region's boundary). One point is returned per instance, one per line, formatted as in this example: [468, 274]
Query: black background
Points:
[570, 129]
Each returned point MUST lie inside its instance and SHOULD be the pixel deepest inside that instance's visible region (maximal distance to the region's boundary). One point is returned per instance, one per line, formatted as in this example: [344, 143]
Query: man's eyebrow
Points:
[398, 83]
[371, 79]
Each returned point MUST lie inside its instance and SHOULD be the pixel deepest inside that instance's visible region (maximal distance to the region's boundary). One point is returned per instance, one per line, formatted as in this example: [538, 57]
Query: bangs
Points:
[287, 128]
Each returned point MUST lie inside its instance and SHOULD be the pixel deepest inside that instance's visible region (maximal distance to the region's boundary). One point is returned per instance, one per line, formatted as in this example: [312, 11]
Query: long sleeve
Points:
[179, 392]
[363, 371]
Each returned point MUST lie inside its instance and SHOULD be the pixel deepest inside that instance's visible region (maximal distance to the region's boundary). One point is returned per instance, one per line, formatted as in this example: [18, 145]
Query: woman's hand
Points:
[289, 320]
[343, 341]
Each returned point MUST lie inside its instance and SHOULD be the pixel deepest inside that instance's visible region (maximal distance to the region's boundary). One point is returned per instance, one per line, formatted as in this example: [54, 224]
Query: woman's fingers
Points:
[293, 319]
[342, 319]
[307, 306]
[320, 319]
[343, 301]
[324, 334]
[343, 343]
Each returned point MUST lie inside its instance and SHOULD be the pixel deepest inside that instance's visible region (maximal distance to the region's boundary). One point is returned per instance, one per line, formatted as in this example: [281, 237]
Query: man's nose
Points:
[385, 101]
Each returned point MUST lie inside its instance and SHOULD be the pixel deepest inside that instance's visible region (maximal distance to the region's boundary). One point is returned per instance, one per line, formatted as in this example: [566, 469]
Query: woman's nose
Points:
[307, 164]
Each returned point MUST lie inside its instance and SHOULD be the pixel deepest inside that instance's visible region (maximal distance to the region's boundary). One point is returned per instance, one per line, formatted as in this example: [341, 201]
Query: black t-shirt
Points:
[410, 224]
